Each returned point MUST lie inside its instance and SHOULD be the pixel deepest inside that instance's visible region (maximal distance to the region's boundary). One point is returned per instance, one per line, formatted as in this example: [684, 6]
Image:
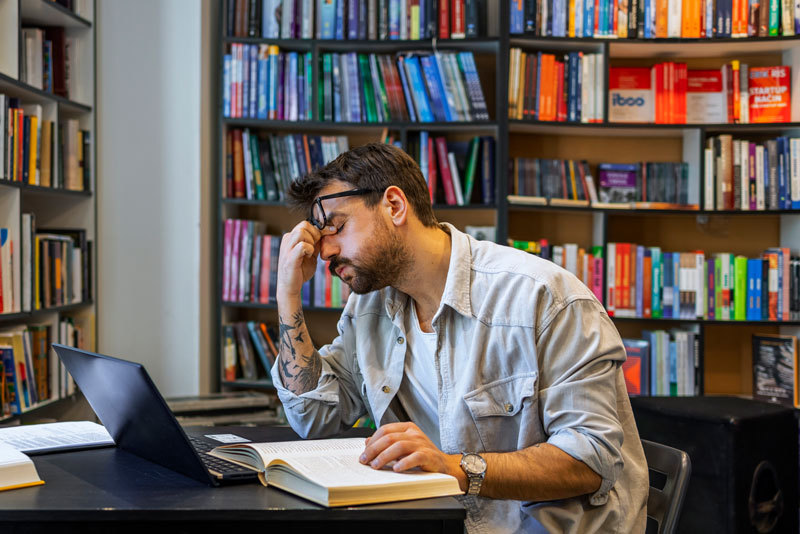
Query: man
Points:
[474, 359]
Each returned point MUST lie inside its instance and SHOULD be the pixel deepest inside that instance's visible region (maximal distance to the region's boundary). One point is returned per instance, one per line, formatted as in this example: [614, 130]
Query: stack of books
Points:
[655, 19]
[645, 282]
[752, 176]
[550, 87]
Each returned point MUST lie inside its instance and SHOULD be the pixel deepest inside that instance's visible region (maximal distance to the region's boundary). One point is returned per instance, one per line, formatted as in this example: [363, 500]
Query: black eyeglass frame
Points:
[318, 202]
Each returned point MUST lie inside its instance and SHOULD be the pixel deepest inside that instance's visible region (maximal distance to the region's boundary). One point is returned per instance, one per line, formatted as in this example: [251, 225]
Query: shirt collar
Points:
[457, 286]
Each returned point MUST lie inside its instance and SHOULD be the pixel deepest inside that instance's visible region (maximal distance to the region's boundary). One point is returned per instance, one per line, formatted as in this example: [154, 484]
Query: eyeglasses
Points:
[317, 216]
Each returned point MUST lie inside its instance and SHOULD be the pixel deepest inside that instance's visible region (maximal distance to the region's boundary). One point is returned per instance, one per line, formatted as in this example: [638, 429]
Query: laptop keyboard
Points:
[214, 464]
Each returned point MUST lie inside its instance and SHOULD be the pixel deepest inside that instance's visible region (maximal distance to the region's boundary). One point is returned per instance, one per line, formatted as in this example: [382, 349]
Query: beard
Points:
[381, 266]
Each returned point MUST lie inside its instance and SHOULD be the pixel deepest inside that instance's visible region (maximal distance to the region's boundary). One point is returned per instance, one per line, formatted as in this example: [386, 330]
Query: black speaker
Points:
[744, 460]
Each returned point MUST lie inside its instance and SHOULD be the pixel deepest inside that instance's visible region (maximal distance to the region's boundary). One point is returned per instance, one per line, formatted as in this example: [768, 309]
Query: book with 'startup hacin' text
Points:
[328, 472]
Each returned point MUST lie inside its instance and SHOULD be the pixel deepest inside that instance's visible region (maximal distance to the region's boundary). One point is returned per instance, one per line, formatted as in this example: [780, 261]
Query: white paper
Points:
[55, 436]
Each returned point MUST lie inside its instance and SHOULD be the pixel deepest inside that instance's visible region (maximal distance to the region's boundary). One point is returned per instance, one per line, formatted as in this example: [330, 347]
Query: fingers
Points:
[395, 441]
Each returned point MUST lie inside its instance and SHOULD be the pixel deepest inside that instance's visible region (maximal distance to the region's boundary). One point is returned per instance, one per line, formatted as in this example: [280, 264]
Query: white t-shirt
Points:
[419, 390]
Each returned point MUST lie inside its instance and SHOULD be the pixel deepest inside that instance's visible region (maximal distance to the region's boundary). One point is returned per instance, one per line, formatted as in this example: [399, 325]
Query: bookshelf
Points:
[724, 359]
[63, 201]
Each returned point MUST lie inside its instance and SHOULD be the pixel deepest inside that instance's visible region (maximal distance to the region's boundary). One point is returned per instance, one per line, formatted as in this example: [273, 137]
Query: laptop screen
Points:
[129, 405]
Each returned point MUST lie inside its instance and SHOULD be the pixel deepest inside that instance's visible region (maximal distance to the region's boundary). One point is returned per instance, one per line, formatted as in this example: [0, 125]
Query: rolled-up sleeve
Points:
[335, 403]
[579, 352]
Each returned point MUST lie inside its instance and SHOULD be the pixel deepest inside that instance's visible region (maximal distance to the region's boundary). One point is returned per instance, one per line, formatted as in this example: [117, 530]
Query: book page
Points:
[290, 449]
[344, 469]
[55, 436]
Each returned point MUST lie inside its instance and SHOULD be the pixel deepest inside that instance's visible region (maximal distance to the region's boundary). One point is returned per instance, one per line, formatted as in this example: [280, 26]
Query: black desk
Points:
[110, 490]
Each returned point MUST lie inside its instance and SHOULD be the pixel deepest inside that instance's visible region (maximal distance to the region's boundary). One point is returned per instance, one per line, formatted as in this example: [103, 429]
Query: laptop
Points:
[133, 411]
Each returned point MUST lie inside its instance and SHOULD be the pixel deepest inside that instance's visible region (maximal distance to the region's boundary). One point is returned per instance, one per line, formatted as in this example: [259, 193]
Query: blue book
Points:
[401, 71]
[340, 18]
[245, 79]
[253, 94]
[337, 89]
[673, 368]
[435, 83]
[327, 18]
[259, 345]
[516, 21]
[787, 173]
[754, 289]
[7, 357]
[487, 169]
[394, 20]
[418, 89]
[780, 173]
[467, 63]
[270, 19]
[572, 94]
[226, 85]
[579, 91]
[272, 88]
[263, 80]
[588, 19]
[794, 167]
[650, 338]
[676, 288]
[666, 285]
[352, 19]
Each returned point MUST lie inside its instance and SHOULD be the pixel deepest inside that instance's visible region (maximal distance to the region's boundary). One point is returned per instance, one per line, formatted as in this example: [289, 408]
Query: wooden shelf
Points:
[39, 190]
[636, 211]
[49, 13]
[24, 316]
[610, 129]
[708, 321]
[30, 94]
[478, 127]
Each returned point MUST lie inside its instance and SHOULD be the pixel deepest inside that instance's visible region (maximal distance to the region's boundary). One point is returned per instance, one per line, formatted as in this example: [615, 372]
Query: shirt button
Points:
[509, 407]
[400, 340]
[386, 389]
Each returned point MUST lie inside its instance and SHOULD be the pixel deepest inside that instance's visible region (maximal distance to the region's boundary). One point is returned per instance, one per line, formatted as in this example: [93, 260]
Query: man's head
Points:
[359, 201]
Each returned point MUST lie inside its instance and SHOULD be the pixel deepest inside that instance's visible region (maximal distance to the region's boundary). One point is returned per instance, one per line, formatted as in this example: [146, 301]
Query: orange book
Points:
[238, 165]
[662, 13]
[769, 94]
[546, 90]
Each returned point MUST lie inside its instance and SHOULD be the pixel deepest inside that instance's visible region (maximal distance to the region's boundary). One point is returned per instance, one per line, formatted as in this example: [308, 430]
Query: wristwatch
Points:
[474, 466]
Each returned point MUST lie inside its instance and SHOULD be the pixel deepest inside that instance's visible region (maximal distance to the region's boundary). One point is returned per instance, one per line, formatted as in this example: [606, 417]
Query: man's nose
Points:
[328, 247]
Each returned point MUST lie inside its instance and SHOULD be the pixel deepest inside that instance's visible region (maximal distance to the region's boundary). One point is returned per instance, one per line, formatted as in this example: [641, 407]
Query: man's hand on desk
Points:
[410, 448]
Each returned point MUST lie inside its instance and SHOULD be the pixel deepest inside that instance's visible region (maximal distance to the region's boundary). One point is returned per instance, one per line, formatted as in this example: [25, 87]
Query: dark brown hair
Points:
[375, 166]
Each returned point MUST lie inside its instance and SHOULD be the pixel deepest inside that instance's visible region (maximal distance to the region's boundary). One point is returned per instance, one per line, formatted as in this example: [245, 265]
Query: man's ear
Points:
[396, 205]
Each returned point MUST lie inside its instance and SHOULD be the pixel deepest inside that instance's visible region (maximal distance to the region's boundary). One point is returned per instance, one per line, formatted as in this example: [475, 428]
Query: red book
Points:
[444, 19]
[444, 169]
[647, 286]
[457, 21]
[432, 174]
[770, 97]
[561, 115]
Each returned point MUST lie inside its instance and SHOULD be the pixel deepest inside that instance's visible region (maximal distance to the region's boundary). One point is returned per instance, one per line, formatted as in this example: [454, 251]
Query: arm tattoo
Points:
[300, 372]
[309, 374]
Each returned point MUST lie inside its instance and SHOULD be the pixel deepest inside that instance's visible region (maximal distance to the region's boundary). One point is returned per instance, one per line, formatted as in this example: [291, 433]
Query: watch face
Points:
[474, 464]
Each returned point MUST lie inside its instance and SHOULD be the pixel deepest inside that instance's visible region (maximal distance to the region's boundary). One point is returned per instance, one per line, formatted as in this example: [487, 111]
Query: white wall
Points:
[153, 169]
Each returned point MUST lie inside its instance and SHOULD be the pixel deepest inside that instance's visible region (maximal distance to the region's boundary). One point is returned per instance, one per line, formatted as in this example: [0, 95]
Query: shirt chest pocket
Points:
[504, 411]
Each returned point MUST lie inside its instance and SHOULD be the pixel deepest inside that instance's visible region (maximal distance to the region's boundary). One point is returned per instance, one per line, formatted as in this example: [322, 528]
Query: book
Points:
[16, 469]
[328, 472]
[770, 94]
[775, 369]
[636, 367]
[53, 437]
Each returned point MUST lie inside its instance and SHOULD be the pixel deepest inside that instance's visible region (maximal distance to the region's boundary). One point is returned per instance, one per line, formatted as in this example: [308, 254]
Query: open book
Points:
[54, 437]
[328, 472]
[16, 469]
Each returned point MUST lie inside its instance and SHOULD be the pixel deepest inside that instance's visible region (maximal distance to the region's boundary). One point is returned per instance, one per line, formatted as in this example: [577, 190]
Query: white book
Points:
[53, 437]
[787, 17]
[571, 258]
[699, 283]
[287, 18]
[462, 101]
[597, 86]
[27, 262]
[7, 268]
[306, 26]
[584, 86]
[328, 472]
[16, 470]
[77, 275]
[744, 94]
[760, 204]
[451, 158]
[674, 18]
[708, 178]
[744, 174]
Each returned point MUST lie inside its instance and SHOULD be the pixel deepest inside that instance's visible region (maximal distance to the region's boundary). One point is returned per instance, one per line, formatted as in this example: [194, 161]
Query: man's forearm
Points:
[300, 366]
[542, 472]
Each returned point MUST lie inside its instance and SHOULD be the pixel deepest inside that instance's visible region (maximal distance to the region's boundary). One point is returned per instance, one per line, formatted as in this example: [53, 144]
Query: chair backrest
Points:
[664, 503]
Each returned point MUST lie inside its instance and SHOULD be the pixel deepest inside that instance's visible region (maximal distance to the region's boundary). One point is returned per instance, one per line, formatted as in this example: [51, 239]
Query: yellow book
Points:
[45, 160]
[328, 472]
[414, 30]
[16, 469]
[33, 150]
[571, 18]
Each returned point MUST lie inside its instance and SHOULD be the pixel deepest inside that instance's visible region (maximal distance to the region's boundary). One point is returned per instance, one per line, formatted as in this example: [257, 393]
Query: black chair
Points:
[669, 478]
